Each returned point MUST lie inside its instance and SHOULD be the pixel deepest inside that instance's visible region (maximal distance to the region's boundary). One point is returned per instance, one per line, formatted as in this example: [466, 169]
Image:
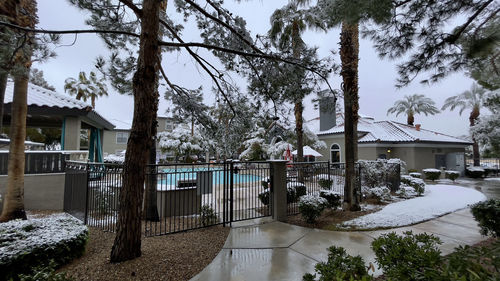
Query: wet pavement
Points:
[278, 251]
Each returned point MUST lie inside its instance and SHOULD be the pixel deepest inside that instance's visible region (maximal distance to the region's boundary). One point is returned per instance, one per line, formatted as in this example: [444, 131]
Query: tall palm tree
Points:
[13, 207]
[287, 26]
[472, 99]
[85, 88]
[414, 104]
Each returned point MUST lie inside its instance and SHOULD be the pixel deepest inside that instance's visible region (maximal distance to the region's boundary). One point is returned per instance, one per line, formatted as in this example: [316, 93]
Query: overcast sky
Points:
[376, 77]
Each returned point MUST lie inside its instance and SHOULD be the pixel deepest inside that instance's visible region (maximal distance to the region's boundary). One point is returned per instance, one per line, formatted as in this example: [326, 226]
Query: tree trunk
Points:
[349, 54]
[474, 115]
[411, 119]
[299, 130]
[13, 207]
[92, 101]
[3, 86]
[127, 244]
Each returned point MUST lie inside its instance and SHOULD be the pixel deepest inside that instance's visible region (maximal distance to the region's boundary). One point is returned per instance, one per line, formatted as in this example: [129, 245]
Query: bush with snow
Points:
[487, 214]
[26, 244]
[474, 172]
[310, 207]
[406, 191]
[380, 193]
[431, 174]
[380, 172]
[325, 183]
[416, 175]
[264, 197]
[332, 197]
[298, 187]
[452, 175]
[417, 184]
[114, 159]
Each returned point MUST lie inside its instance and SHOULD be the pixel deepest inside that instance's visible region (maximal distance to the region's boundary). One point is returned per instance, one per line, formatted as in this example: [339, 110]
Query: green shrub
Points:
[417, 184]
[452, 175]
[208, 216]
[325, 183]
[474, 172]
[264, 197]
[380, 194]
[431, 174]
[28, 244]
[487, 214]
[416, 175]
[333, 198]
[310, 207]
[406, 257]
[294, 191]
[291, 195]
[412, 171]
[340, 266]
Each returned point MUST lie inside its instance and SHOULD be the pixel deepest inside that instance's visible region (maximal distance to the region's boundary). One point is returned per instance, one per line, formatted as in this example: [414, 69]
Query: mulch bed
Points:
[177, 256]
[329, 218]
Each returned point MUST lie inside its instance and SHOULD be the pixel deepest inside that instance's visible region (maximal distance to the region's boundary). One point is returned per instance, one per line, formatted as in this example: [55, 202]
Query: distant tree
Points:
[414, 104]
[188, 105]
[487, 130]
[86, 88]
[182, 142]
[36, 77]
[472, 99]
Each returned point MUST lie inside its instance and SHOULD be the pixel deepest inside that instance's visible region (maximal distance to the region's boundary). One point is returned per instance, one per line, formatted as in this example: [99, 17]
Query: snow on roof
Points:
[308, 151]
[122, 125]
[39, 96]
[390, 131]
[313, 124]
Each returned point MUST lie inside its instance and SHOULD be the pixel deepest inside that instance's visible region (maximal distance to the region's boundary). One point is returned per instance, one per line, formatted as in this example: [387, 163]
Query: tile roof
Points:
[390, 131]
[39, 96]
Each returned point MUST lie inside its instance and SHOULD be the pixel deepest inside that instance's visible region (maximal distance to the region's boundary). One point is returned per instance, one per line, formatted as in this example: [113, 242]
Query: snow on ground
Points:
[492, 179]
[438, 200]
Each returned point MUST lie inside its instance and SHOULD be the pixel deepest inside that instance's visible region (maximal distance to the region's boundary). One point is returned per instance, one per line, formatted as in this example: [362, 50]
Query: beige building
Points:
[115, 141]
[418, 147]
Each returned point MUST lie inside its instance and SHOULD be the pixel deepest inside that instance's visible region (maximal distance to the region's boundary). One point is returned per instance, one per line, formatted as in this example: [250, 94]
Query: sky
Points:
[377, 77]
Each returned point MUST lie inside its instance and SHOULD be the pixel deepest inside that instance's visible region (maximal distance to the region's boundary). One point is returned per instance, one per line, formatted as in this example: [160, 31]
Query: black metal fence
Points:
[38, 162]
[490, 165]
[178, 197]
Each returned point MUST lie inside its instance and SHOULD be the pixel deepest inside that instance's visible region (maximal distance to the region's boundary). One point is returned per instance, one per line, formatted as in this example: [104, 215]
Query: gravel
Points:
[177, 256]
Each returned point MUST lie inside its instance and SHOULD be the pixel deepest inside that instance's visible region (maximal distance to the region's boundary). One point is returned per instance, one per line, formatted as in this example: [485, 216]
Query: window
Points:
[121, 137]
[169, 125]
[335, 153]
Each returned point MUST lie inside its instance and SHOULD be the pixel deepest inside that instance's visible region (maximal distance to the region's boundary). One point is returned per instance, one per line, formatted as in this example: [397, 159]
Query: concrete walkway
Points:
[280, 251]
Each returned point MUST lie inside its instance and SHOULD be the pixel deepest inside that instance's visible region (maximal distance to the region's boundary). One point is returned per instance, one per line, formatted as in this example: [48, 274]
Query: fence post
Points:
[278, 189]
[87, 186]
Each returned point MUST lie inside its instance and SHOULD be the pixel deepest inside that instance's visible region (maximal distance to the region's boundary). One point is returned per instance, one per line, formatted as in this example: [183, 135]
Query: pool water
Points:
[170, 177]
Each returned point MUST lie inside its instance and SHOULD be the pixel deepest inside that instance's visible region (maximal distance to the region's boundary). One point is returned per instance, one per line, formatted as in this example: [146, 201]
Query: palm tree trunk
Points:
[92, 101]
[127, 244]
[411, 119]
[3, 87]
[475, 146]
[349, 54]
[13, 207]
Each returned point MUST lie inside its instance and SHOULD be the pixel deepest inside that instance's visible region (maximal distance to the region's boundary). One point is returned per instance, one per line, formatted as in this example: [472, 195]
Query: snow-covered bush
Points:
[452, 175]
[432, 174]
[380, 172]
[474, 172]
[417, 184]
[115, 159]
[380, 193]
[104, 199]
[406, 191]
[181, 142]
[416, 175]
[332, 197]
[310, 207]
[26, 244]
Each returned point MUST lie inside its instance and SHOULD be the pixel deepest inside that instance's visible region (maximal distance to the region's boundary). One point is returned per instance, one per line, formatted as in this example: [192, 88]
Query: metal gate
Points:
[181, 196]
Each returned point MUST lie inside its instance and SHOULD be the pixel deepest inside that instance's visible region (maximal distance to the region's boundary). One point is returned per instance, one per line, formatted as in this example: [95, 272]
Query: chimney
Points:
[327, 114]
[417, 126]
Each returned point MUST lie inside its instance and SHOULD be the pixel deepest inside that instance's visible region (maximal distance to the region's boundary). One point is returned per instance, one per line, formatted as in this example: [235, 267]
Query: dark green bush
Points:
[340, 266]
[208, 216]
[407, 257]
[325, 183]
[264, 197]
[431, 174]
[26, 245]
[474, 172]
[333, 198]
[487, 214]
[47, 273]
[452, 175]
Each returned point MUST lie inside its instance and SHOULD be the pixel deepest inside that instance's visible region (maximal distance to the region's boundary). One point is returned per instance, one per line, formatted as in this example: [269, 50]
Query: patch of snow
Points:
[438, 200]
[492, 179]
[312, 200]
[431, 170]
[452, 172]
[475, 169]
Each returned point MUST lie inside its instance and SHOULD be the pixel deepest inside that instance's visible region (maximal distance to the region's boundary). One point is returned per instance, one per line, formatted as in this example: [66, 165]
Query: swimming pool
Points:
[171, 177]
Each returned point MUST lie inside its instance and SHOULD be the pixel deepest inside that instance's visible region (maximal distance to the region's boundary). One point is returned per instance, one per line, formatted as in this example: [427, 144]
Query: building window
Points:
[121, 137]
[169, 125]
[335, 153]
